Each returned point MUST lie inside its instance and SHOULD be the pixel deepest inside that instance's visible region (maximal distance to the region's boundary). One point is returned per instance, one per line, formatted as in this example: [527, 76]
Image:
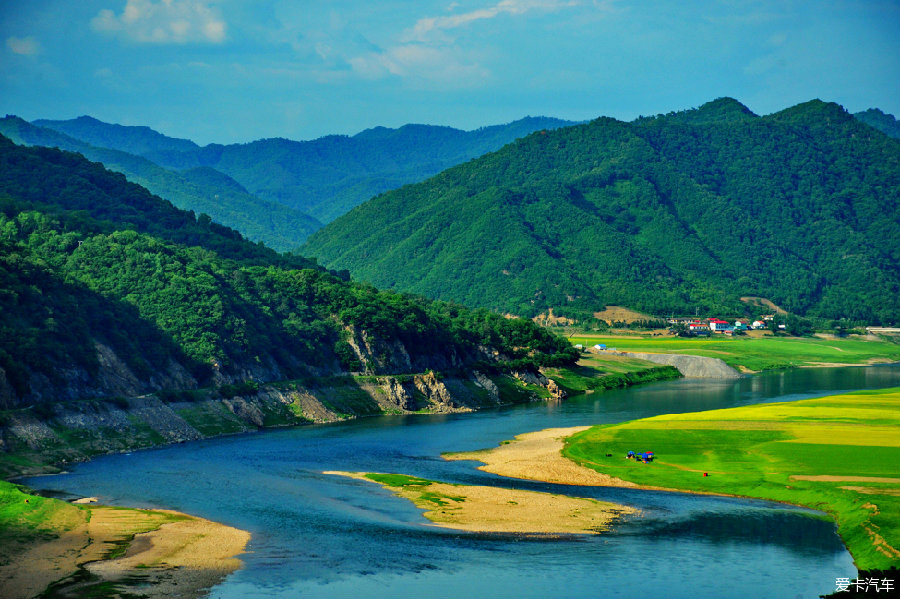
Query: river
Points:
[316, 535]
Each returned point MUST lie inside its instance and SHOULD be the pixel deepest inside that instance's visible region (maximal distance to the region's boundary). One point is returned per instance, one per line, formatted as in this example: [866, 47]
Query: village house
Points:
[717, 325]
[698, 327]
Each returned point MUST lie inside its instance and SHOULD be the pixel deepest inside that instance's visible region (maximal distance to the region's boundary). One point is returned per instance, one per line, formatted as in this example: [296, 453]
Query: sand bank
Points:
[495, 509]
[537, 456]
[155, 553]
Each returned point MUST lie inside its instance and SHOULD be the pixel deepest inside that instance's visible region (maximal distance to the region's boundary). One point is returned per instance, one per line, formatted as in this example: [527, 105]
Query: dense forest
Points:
[96, 273]
[323, 177]
[669, 214]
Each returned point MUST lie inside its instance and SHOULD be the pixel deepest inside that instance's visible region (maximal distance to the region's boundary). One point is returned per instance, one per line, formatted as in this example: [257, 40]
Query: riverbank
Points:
[44, 438]
[750, 355]
[838, 454]
[51, 548]
[499, 510]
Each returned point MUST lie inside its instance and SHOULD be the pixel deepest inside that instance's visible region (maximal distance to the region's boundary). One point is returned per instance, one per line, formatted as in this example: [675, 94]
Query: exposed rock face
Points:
[692, 367]
[488, 385]
[435, 392]
[531, 378]
[398, 396]
[554, 389]
[382, 357]
[245, 410]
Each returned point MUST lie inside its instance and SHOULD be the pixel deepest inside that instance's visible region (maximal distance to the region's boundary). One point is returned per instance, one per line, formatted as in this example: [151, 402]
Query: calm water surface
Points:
[316, 535]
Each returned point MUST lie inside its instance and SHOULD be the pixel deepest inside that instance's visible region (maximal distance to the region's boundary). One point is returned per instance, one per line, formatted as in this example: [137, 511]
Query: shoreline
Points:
[537, 456]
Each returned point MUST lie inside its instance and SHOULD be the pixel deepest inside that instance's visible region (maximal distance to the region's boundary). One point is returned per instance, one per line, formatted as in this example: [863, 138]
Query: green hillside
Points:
[201, 190]
[323, 177]
[675, 213]
[106, 290]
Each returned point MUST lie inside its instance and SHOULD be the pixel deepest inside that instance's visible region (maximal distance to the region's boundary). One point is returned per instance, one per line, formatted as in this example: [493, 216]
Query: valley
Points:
[132, 324]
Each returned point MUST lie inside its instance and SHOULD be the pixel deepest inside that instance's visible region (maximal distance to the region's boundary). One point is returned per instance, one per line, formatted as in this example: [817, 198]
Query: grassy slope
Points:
[755, 451]
[764, 353]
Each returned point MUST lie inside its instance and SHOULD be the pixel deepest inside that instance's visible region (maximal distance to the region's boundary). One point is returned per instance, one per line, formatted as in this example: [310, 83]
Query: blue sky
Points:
[237, 70]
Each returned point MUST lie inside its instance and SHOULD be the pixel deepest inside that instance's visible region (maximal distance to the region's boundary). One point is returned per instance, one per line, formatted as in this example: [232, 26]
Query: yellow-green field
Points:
[761, 353]
[839, 454]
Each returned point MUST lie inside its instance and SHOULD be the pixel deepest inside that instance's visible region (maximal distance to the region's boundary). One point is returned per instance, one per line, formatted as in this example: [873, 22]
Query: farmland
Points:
[838, 454]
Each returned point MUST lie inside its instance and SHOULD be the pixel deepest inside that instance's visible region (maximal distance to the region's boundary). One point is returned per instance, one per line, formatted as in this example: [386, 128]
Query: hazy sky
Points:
[238, 70]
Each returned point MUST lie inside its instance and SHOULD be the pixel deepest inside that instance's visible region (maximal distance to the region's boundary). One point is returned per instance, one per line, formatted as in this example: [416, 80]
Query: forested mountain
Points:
[673, 213]
[106, 289]
[886, 123]
[202, 190]
[324, 177]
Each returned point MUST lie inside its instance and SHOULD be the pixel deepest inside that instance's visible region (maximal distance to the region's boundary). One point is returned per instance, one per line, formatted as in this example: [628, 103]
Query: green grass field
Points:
[839, 454]
[756, 354]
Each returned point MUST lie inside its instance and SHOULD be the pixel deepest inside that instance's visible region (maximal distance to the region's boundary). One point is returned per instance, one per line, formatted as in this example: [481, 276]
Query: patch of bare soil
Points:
[621, 314]
[551, 319]
[761, 301]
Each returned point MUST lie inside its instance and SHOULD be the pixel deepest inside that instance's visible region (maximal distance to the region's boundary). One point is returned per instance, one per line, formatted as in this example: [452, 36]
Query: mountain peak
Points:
[813, 109]
[725, 107]
[720, 110]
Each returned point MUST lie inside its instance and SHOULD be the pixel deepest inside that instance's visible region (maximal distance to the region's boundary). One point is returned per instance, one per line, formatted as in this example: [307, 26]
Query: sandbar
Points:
[500, 510]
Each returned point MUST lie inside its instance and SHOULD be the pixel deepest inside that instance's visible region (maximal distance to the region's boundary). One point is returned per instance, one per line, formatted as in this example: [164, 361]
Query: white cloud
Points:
[427, 26]
[417, 61]
[26, 46]
[426, 51]
[163, 22]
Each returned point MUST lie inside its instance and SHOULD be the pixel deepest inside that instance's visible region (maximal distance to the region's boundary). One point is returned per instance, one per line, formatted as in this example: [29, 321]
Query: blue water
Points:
[317, 535]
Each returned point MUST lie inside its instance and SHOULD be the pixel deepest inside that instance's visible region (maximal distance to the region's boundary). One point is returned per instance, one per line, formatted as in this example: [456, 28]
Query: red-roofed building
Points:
[719, 326]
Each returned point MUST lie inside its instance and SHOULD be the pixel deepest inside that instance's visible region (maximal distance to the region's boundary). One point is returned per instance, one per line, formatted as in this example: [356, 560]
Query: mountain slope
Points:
[108, 290]
[666, 214]
[324, 177]
[201, 190]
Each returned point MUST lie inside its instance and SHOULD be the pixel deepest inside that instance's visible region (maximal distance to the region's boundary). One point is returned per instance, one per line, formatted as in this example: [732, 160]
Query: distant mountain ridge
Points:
[138, 140]
[201, 190]
[673, 213]
[323, 177]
